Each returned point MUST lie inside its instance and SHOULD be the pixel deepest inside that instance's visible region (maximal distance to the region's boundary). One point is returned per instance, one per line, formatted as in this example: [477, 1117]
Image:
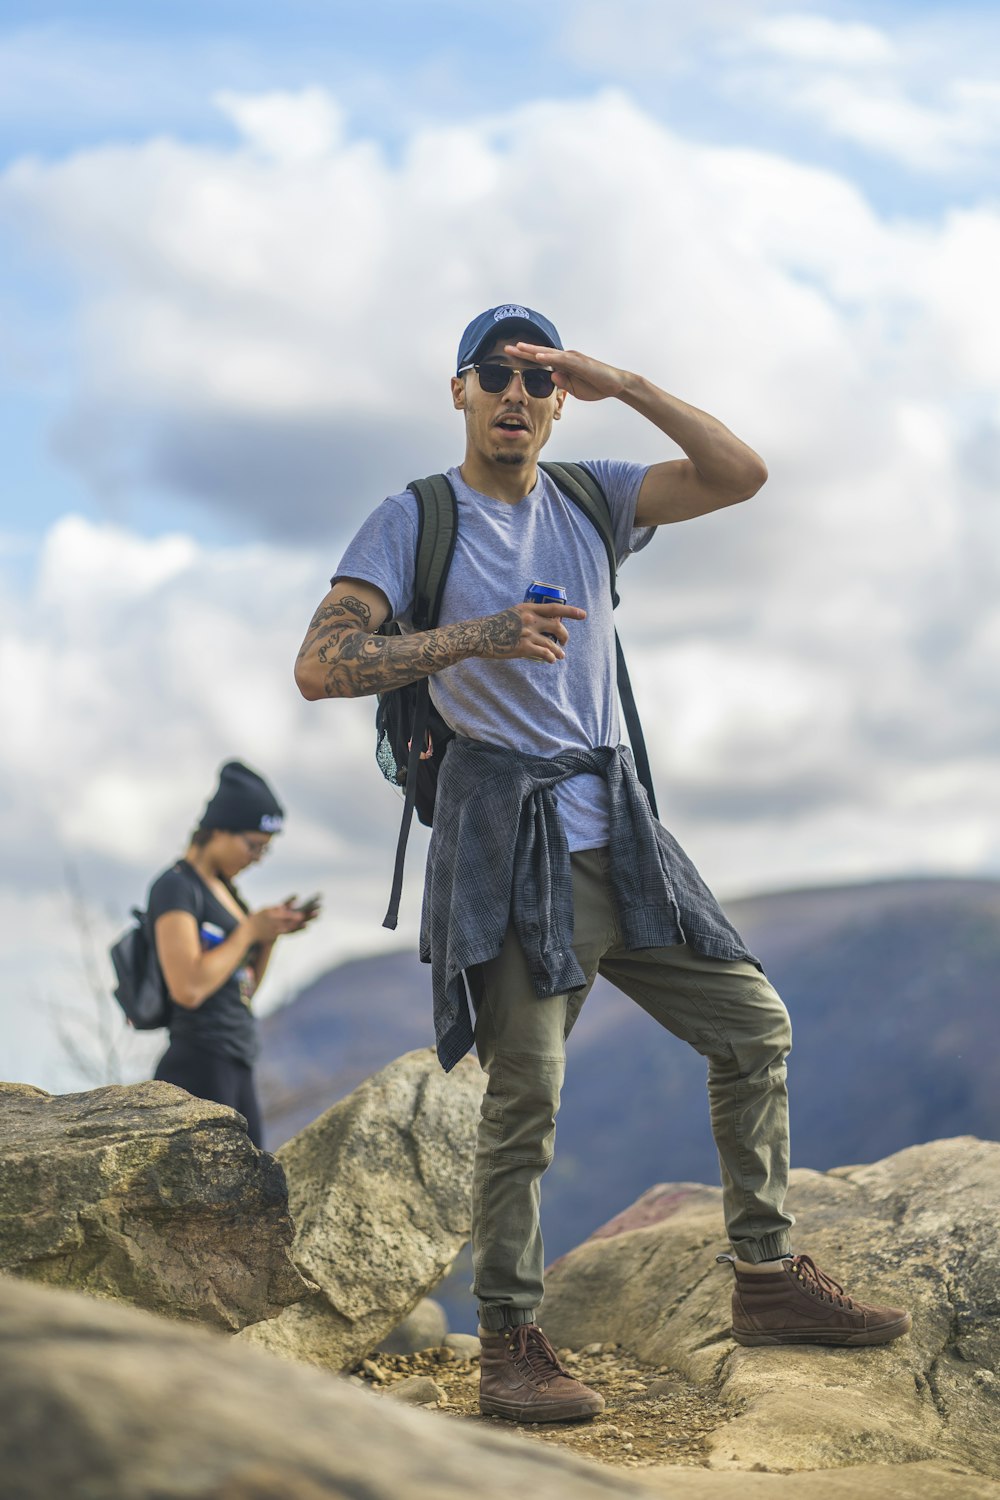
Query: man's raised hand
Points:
[585, 378]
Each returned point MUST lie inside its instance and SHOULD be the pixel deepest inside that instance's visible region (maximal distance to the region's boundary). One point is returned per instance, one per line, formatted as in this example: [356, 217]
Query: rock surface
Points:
[465, 1345]
[425, 1327]
[106, 1403]
[380, 1188]
[930, 1481]
[417, 1390]
[148, 1196]
[658, 1426]
[920, 1229]
[109, 1403]
[635, 1431]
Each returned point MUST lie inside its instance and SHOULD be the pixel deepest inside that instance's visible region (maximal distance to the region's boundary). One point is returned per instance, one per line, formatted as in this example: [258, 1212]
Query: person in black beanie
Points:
[213, 950]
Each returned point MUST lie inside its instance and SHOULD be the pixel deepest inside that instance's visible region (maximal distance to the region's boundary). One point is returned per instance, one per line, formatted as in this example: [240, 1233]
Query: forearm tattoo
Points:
[329, 621]
[345, 611]
[358, 663]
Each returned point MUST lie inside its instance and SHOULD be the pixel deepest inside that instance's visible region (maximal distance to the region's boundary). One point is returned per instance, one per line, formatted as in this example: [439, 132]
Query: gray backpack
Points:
[141, 990]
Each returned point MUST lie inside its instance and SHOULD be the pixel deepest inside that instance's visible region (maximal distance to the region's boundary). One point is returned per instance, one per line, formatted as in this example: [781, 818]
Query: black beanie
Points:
[242, 801]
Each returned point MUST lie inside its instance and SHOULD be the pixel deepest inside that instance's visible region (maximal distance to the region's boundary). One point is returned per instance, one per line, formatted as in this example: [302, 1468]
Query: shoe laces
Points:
[532, 1352]
[817, 1282]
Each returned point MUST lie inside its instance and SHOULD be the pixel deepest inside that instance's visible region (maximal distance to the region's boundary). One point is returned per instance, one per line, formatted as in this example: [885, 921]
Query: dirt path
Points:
[653, 1415]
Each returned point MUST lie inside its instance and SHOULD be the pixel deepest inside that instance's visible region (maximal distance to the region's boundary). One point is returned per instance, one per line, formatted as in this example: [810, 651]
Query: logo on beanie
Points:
[511, 311]
[270, 823]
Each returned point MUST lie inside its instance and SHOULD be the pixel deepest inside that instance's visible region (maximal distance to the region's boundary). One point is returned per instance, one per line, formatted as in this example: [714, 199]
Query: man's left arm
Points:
[718, 469]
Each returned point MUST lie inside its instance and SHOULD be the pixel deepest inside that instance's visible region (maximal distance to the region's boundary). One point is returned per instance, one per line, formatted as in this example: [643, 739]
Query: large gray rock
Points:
[424, 1327]
[380, 1188]
[920, 1229]
[148, 1196]
[105, 1403]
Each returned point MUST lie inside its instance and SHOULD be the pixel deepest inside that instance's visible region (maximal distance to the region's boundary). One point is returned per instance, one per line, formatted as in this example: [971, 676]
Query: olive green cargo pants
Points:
[727, 1011]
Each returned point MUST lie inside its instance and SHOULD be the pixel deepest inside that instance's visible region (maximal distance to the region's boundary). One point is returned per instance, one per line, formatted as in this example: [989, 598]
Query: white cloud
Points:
[816, 668]
[250, 320]
[806, 38]
[958, 129]
[286, 128]
[657, 37]
[141, 656]
[918, 90]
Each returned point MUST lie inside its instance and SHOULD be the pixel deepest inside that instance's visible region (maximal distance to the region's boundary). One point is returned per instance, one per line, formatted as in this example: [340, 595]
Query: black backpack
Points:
[405, 715]
[141, 990]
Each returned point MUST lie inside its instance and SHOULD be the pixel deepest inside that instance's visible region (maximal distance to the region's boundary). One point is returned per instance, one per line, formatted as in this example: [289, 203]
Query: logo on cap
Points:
[510, 311]
[270, 823]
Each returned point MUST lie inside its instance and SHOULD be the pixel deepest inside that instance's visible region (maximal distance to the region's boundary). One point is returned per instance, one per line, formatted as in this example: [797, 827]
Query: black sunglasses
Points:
[256, 848]
[494, 378]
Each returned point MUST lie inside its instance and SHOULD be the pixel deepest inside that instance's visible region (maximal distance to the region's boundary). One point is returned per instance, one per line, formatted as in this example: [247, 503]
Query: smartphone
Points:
[308, 908]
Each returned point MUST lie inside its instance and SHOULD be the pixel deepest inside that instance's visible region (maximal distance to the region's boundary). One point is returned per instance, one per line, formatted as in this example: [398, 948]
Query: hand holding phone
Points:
[309, 909]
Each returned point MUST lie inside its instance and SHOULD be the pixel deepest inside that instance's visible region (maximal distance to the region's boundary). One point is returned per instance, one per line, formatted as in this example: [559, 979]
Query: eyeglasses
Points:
[494, 378]
[255, 848]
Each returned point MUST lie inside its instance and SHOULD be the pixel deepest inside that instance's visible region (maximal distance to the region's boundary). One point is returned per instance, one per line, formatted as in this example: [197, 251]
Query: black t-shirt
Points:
[223, 1022]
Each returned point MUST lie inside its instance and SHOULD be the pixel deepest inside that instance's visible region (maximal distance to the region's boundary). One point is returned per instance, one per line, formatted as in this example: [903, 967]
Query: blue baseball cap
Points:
[496, 320]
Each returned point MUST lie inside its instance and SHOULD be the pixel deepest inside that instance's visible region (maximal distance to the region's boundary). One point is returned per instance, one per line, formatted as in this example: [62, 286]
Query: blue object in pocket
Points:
[211, 935]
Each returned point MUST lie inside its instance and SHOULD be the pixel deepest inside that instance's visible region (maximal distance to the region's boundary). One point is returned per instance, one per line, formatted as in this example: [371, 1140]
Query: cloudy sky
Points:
[239, 242]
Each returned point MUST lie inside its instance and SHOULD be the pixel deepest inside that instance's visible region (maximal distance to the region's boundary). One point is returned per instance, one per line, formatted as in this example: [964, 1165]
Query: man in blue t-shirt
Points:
[546, 864]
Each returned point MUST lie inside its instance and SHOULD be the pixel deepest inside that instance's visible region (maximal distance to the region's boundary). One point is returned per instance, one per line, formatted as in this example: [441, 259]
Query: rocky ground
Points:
[653, 1415]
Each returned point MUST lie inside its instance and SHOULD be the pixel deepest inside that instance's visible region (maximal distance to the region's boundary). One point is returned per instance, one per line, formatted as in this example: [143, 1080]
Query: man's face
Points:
[510, 427]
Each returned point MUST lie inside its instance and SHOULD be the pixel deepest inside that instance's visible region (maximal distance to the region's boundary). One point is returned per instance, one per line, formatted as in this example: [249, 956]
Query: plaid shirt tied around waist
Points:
[498, 854]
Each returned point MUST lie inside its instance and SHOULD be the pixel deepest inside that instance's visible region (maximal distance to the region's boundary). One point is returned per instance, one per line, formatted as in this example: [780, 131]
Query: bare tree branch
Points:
[95, 1039]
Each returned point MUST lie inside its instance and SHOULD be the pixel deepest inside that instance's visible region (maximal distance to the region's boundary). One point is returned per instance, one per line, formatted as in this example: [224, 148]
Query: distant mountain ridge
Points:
[893, 987]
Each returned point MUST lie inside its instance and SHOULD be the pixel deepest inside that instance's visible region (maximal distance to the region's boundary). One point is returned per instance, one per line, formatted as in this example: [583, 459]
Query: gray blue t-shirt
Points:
[501, 548]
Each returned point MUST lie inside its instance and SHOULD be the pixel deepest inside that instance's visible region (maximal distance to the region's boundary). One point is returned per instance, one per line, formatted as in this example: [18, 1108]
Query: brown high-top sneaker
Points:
[521, 1379]
[791, 1301]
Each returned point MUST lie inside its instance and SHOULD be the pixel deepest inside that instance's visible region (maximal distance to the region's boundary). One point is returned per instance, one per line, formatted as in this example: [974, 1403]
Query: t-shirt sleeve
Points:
[621, 482]
[383, 553]
[172, 892]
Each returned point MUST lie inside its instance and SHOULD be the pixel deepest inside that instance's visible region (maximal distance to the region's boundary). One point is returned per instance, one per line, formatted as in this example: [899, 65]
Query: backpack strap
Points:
[636, 737]
[580, 486]
[437, 530]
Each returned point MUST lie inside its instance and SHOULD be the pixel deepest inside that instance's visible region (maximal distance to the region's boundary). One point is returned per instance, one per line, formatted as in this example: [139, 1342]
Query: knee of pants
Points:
[521, 1102]
[758, 1055]
[776, 1027]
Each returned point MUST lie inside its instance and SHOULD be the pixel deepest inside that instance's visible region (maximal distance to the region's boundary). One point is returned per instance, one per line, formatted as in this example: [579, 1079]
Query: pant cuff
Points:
[493, 1319]
[768, 1247]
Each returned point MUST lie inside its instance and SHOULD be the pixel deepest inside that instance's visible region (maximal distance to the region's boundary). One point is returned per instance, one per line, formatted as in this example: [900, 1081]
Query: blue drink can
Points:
[545, 593]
